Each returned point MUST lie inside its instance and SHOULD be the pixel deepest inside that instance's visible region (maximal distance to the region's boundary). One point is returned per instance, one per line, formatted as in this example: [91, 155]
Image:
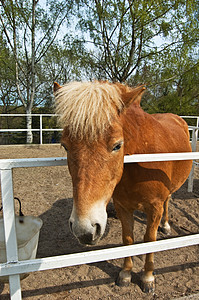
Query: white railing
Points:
[196, 125]
[194, 139]
[40, 129]
[13, 267]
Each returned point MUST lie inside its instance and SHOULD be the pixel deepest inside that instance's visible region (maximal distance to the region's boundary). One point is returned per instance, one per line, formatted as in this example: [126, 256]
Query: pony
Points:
[102, 122]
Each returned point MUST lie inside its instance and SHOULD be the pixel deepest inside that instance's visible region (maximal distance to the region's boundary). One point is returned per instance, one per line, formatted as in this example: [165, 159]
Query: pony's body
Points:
[96, 150]
[157, 133]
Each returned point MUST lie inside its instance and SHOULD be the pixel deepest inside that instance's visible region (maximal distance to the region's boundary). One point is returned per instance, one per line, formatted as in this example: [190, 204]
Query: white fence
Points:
[13, 267]
[196, 125]
[41, 129]
[194, 138]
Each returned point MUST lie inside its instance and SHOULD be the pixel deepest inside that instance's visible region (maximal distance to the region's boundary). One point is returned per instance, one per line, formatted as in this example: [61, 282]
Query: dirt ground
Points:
[46, 192]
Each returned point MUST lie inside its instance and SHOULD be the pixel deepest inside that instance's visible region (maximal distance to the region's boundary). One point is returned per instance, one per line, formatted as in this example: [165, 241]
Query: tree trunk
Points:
[29, 135]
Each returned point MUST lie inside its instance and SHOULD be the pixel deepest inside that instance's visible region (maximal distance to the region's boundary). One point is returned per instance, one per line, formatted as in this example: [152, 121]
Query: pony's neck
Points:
[135, 130]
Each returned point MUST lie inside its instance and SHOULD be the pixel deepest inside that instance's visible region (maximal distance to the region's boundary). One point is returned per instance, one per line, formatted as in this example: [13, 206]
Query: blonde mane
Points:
[88, 108]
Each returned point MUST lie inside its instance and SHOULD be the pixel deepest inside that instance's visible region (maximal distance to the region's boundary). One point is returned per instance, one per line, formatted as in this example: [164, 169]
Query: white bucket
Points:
[27, 240]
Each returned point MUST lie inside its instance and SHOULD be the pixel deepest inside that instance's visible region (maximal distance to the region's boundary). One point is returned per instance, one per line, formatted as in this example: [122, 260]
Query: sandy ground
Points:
[46, 192]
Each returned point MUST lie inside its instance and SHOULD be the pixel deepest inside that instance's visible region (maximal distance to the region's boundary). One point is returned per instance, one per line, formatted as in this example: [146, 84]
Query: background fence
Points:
[40, 128]
[52, 131]
[13, 267]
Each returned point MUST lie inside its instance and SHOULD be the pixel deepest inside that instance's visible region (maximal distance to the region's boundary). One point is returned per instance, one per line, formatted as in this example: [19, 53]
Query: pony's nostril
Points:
[98, 229]
[97, 232]
[71, 226]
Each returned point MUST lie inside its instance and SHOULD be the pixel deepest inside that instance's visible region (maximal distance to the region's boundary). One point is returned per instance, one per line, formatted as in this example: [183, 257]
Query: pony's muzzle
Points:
[89, 228]
[91, 238]
[87, 235]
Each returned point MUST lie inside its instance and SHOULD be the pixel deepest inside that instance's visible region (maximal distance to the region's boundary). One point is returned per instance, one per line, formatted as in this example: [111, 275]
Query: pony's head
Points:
[92, 114]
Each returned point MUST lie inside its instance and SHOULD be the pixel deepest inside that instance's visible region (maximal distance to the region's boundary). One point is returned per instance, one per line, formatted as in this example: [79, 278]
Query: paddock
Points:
[47, 192]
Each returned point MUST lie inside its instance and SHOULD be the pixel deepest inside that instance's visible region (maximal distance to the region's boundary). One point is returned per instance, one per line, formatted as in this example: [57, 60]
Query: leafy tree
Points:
[179, 95]
[153, 42]
[124, 34]
[7, 89]
[30, 30]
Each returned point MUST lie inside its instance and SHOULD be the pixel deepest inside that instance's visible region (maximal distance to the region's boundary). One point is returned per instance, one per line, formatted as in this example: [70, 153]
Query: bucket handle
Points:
[21, 215]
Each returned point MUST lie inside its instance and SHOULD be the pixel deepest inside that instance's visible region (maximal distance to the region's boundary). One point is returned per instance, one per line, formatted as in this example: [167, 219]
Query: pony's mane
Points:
[88, 108]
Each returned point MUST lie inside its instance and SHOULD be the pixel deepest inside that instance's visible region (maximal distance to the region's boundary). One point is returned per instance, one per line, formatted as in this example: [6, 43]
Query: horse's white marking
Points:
[147, 278]
[166, 227]
[86, 224]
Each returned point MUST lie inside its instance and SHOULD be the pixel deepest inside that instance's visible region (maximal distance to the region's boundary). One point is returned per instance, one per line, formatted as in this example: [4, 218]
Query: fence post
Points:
[40, 130]
[10, 230]
[197, 125]
[193, 146]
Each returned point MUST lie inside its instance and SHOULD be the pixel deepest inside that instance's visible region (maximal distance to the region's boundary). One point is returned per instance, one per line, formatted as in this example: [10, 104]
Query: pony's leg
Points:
[127, 221]
[153, 220]
[165, 218]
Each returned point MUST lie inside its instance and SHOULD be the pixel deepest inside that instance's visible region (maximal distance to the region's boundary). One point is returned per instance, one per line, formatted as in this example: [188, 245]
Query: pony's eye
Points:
[117, 146]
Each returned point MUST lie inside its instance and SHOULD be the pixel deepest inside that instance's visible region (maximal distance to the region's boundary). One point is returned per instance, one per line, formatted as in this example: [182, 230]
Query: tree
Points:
[7, 80]
[30, 30]
[124, 33]
[175, 87]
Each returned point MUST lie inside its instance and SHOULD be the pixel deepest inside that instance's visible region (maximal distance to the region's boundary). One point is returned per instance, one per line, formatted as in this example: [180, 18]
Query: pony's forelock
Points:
[88, 108]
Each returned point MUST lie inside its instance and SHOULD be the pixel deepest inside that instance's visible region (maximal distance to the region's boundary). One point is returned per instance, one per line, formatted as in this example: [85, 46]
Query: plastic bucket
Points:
[27, 231]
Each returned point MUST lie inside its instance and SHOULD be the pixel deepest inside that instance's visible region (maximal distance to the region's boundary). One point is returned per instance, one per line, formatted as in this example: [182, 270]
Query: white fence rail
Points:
[13, 267]
[196, 125]
[41, 129]
[194, 138]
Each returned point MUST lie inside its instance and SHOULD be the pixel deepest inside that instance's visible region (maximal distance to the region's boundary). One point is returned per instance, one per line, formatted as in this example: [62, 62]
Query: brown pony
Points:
[103, 122]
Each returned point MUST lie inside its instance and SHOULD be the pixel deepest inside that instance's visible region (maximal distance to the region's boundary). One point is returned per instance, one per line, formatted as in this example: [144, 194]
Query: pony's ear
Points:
[133, 96]
[56, 87]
